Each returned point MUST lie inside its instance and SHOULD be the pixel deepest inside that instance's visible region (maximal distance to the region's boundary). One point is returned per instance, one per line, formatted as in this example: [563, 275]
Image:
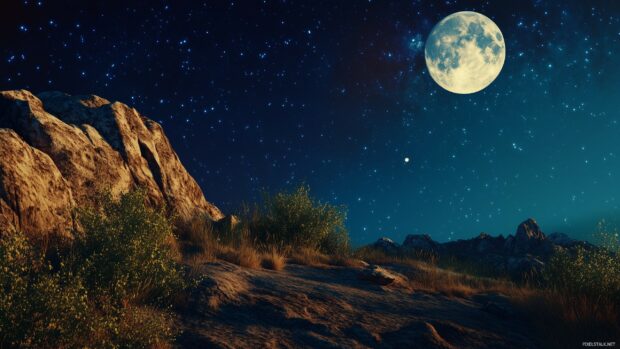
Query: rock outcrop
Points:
[381, 276]
[56, 150]
[386, 245]
[420, 242]
[528, 238]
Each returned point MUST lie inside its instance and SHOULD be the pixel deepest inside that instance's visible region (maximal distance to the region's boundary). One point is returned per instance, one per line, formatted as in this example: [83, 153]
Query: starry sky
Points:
[259, 95]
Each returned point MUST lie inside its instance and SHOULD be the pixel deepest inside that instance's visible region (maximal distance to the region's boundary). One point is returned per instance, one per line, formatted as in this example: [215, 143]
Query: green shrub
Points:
[38, 307]
[587, 281]
[104, 292]
[124, 252]
[580, 298]
[588, 272]
[297, 220]
[142, 327]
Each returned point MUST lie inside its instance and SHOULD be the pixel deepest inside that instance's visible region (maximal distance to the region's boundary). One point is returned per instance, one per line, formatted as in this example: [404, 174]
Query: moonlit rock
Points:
[57, 150]
[465, 52]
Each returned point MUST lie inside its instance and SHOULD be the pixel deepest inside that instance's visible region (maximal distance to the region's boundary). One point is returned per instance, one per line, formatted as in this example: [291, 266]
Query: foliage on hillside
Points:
[113, 287]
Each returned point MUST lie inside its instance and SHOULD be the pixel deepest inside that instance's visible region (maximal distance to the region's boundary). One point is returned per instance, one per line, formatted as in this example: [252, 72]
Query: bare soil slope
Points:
[331, 307]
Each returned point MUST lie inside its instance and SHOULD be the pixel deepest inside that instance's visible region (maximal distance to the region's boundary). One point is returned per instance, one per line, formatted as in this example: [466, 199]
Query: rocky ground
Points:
[331, 307]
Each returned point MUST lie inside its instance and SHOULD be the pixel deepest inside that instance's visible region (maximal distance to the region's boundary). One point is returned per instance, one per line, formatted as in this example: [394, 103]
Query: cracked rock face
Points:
[56, 150]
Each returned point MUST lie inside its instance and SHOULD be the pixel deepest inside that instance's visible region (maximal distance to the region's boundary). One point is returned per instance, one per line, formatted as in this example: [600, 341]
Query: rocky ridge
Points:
[525, 252]
[56, 150]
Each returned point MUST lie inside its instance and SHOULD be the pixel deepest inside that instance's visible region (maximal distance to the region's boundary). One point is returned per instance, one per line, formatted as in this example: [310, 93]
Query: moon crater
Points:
[465, 52]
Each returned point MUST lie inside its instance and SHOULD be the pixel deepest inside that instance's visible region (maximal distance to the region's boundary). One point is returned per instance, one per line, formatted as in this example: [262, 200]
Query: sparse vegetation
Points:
[197, 236]
[578, 298]
[114, 286]
[430, 278]
[111, 289]
[593, 273]
[287, 225]
[244, 255]
[297, 220]
[581, 295]
[425, 274]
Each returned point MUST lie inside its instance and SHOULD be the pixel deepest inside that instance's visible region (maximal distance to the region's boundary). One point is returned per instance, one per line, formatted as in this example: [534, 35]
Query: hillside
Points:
[331, 307]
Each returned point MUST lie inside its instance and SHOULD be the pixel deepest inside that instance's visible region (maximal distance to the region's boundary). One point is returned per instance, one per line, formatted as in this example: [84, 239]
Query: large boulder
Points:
[57, 150]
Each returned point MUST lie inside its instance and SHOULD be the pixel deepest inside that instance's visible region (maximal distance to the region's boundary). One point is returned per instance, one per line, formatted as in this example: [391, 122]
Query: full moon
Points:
[465, 52]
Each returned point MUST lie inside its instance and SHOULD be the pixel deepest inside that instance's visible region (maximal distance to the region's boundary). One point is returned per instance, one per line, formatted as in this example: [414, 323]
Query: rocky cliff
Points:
[56, 150]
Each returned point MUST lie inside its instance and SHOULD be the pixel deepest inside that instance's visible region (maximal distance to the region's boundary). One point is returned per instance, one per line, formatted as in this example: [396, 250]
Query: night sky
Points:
[261, 95]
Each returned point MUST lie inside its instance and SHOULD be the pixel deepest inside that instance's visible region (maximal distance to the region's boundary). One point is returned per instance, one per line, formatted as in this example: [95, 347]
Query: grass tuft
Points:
[273, 260]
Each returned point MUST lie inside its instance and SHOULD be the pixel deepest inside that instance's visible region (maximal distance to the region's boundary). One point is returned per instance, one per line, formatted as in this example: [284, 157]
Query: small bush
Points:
[580, 299]
[124, 251]
[38, 307]
[295, 219]
[592, 273]
[96, 294]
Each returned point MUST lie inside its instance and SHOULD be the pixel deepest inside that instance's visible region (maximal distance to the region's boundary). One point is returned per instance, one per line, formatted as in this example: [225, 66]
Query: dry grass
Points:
[429, 278]
[197, 236]
[273, 260]
[560, 319]
[308, 256]
[564, 321]
[195, 260]
[344, 261]
[424, 274]
[245, 256]
[249, 257]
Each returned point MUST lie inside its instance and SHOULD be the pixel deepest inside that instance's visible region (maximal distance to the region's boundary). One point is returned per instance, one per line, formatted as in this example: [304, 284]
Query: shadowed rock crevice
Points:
[153, 165]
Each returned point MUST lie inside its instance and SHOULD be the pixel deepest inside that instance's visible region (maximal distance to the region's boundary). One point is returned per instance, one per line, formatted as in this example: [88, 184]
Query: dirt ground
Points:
[330, 307]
